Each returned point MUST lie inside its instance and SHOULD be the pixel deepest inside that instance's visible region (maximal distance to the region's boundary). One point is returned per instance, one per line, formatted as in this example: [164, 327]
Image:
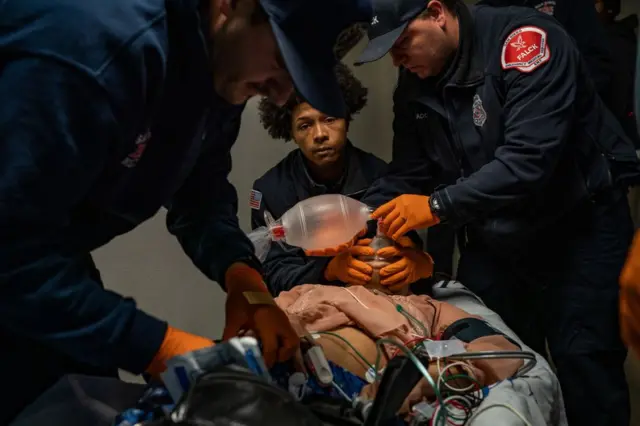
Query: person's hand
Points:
[630, 297]
[414, 264]
[405, 213]
[250, 306]
[334, 251]
[347, 268]
[176, 342]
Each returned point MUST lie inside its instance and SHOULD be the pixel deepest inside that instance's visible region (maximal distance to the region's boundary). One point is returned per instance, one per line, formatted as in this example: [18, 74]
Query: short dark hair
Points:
[277, 119]
[449, 4]
[258, 16]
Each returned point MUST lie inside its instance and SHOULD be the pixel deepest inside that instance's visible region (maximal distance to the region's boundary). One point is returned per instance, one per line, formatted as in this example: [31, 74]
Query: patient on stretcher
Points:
[347, 322]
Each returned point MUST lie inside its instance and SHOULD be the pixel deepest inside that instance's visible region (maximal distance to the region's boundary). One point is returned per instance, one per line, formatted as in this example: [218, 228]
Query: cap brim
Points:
[315, 80]
[380, 46]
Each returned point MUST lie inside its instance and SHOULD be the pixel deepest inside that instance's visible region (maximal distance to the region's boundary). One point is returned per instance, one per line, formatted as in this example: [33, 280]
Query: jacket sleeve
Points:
[538, 116]
[203, 214]
[56, 129]
[409, 171]
[285, 266]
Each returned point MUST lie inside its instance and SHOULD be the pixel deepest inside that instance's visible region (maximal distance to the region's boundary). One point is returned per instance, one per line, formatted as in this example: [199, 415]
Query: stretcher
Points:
[534, 399]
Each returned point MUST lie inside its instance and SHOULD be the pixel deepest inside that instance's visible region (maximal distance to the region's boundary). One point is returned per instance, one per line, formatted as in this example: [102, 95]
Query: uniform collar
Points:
[468, 66]
[352, 181]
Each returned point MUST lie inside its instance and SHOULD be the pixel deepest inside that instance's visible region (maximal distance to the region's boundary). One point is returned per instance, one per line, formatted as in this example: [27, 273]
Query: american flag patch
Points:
[255, 199]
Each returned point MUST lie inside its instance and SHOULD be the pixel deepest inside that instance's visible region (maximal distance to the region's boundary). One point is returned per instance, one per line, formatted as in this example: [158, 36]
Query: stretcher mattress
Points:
[534, 399]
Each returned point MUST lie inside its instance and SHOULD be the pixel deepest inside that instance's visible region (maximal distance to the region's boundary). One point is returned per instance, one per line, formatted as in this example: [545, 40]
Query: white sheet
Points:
[536, 396]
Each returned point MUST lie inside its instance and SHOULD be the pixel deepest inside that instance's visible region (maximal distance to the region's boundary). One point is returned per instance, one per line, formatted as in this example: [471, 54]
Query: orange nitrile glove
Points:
[176, 342]
[347, 268]
[250, 306]
[334, 251]
[630, 296]
[414, 264]
[405, 213]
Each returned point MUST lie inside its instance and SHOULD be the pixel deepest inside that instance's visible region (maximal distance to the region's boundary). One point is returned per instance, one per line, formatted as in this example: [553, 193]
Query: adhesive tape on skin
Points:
[258, 298]
[370, 375]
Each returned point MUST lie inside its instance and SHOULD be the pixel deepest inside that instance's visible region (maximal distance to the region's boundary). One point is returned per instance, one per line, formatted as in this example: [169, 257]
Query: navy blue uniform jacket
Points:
[107, 115]
[282, 187]
[507, 146]
[580, 19]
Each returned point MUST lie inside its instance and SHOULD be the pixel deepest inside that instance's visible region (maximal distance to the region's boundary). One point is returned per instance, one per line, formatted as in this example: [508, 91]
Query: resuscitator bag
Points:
[317, 223]
[376, 262]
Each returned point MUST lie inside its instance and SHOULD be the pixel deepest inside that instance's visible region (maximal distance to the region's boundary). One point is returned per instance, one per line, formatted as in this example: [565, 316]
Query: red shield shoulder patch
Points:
[525, 49]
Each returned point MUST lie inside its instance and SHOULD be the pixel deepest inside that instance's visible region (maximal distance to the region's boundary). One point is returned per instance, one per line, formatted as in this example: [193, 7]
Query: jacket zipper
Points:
[457, 146]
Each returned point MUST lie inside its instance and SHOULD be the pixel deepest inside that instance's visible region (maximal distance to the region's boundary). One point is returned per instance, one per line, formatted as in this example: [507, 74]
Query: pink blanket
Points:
[325, 308]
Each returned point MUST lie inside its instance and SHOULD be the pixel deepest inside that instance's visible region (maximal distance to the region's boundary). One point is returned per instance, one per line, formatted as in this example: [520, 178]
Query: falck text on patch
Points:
[525, 49]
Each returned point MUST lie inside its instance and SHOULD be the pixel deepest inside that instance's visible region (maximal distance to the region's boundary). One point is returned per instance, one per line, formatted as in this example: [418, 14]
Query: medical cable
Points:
[341, 392]
[530, 356]
[475, 397]
[443, 414]
[419, 365]
[413, 342]
[465, 367]
[507, 406]
[339, 337]
[463, 402]
[413, 320]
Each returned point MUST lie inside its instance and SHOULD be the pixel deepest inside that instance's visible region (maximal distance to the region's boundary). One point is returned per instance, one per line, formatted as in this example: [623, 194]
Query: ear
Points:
[437, 11]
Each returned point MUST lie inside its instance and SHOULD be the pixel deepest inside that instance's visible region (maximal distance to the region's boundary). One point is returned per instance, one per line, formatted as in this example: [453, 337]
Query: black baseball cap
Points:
[306, 32]
[389, 20]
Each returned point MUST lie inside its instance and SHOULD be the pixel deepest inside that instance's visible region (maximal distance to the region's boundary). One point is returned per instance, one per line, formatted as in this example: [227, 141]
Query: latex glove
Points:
[334, 251]
[347, 268]
[414, 264]
[630, 296]
[405, 213]
[250, 306]
[176, 342]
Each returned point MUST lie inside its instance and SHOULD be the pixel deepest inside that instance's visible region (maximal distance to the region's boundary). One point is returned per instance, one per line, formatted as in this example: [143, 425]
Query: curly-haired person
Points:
[326, 162]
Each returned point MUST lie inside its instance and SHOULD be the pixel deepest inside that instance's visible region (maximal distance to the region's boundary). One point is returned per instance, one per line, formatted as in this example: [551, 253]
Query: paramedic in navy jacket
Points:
[580, 19]
[325, 163]
[500, 132]
[111, 110]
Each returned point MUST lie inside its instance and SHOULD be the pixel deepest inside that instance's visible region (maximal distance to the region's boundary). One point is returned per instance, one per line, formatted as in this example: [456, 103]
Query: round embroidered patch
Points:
[525, 49]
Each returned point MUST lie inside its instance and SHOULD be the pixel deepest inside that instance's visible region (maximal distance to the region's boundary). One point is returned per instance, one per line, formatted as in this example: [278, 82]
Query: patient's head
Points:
[320, 137]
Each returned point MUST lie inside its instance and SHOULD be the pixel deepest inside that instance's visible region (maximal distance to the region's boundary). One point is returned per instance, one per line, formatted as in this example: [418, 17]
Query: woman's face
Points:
[320, 138]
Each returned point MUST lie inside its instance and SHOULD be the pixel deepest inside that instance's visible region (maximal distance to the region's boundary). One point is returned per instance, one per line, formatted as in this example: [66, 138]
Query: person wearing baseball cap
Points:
[113, 109]
[499, 132]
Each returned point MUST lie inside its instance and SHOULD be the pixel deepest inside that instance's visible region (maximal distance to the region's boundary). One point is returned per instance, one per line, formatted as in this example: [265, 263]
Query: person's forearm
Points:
[213, 243]
[288, 267]
[54, 300]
